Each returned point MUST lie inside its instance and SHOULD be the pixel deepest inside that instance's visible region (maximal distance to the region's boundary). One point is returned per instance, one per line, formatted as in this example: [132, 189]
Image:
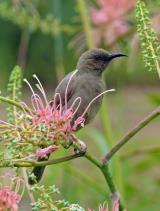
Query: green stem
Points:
[148, 38]
[93, 160]
[31, 163]
[108, 178]
[130, 134]
[106, 173]
[102, 166]
[110, 139]
[14, 103]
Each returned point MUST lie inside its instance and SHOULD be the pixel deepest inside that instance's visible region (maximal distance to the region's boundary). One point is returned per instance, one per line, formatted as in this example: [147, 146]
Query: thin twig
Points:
[14, 103]
[30, 194]
[104, 168]
[130, 134]
[31, 163]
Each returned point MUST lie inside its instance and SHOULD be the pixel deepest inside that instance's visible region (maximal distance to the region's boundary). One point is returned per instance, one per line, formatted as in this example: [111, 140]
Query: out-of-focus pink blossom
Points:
[9, 199]
[110, 19]
[115, 202]
[9, 193]
[104, 206]
[42, 153]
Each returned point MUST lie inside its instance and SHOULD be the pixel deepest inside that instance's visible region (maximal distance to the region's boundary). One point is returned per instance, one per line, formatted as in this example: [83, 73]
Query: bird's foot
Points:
[82, 145]
[67, 144]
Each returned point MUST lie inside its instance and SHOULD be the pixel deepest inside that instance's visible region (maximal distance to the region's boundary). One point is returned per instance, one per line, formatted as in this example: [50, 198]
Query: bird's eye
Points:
[98, 57]
[101, 58]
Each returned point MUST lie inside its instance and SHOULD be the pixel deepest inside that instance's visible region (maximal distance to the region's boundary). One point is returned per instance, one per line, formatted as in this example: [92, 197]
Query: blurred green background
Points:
[47, 38]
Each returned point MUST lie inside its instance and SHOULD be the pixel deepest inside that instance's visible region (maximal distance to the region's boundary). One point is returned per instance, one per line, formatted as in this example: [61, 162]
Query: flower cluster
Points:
[45, 200]
[10, 194]
[51, 115]
[110, 19]
[104, 206]
[41, 129]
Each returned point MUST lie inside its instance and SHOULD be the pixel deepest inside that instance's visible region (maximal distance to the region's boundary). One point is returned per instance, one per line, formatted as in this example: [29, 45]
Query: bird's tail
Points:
[38, 172]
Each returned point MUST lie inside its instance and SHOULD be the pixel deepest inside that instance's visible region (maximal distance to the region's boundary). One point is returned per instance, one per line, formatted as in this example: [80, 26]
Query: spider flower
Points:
[57, 120]
[39, 129]
[51, 115]
[10, 192]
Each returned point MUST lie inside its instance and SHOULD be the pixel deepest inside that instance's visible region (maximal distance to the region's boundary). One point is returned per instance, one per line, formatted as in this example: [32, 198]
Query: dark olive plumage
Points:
[87, 83]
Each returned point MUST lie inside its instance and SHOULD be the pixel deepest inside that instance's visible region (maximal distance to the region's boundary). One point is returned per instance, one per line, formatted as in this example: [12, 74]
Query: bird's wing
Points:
[63, 85]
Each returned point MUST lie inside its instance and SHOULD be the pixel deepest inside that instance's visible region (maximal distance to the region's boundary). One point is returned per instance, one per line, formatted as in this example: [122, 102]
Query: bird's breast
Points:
[88, 88]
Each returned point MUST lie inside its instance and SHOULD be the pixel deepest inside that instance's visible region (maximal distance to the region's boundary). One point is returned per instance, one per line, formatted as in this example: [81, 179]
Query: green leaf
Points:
[14, 92]
[148, 39]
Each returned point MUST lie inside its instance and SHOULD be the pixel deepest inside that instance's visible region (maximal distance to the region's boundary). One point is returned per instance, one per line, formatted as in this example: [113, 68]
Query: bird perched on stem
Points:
[86, 85]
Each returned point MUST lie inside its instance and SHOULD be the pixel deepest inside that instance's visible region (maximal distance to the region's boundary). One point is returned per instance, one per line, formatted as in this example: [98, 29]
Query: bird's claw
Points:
[67, 144]
[83, 147]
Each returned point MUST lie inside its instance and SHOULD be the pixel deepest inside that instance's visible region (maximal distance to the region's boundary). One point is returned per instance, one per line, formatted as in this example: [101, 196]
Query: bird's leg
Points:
[79, 146]
[67, 144]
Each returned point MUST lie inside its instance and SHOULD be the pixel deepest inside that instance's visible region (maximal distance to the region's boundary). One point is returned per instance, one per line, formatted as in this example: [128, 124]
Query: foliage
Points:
[149, 41]
[45, 198]
[14, 91]
[79, 181]
[34, 22]
[39, 131]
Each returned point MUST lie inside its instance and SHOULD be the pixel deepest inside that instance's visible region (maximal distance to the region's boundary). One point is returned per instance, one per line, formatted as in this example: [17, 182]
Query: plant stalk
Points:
[130, 134]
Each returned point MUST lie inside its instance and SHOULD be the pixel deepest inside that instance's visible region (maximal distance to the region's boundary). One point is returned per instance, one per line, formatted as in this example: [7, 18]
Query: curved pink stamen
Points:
[40, 87]
[27, 107]
[74, 102]
[95, 98]
[37, 102]
[60, 102]
[33, 93]
[26, 81]
[66, 91]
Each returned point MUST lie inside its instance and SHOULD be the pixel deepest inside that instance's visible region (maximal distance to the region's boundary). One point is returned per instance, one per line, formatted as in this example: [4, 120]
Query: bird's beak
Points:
[115, 55]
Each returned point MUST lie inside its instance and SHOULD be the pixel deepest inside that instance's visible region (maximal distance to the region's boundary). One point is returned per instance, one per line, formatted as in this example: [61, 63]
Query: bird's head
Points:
[96, 60]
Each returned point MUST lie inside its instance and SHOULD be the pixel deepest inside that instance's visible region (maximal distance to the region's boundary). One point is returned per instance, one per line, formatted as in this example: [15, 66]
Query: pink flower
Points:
[9, 196]
[110, 19]
[46, 124]
[50, 115]
[57, 120]
[104, 207]
[42, 153]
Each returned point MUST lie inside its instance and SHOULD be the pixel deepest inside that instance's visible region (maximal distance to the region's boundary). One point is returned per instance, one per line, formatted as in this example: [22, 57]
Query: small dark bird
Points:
[87, 83]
